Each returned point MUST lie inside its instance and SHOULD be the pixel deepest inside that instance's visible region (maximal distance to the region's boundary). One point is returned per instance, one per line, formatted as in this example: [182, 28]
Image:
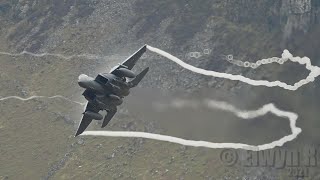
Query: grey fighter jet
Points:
[106, 91]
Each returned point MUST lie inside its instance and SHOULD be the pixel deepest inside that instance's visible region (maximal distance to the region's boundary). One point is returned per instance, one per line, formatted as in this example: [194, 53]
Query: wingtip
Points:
[78, 133]
[144, 47]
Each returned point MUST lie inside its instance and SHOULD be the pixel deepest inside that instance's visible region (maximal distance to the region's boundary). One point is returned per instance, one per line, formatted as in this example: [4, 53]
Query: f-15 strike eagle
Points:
[107, 90]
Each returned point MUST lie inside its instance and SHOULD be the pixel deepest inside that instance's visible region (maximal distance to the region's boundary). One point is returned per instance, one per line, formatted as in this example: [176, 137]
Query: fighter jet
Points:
[107, 90]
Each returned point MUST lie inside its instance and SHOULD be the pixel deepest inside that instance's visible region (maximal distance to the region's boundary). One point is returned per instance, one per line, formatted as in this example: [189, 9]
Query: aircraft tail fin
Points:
[139, 77]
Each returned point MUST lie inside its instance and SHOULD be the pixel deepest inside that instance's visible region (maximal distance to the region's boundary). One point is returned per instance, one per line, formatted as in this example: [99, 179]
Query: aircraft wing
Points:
[85, 121]
[131, 61]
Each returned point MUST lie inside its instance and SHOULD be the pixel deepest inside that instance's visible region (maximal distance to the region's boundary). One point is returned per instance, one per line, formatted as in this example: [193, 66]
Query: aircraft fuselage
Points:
[107, 90]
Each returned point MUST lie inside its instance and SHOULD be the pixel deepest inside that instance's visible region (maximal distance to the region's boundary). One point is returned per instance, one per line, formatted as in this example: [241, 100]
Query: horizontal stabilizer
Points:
[109, 116]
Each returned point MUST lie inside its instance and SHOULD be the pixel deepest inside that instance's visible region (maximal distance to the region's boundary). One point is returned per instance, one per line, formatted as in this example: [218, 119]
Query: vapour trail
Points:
[314, 71]
[220, 105]
[256, 64]
[87, 56]
[41, 97]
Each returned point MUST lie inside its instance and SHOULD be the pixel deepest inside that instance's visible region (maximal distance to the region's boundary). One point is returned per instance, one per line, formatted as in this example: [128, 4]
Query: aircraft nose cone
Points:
[82, 80]
[82, 84]
[82, 77]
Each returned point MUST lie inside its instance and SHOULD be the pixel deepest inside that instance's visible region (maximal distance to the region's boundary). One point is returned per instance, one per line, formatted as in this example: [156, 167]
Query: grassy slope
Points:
[35, 137]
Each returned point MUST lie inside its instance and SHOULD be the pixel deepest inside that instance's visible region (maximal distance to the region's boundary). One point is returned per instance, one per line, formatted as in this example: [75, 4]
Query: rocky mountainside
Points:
[36, 136]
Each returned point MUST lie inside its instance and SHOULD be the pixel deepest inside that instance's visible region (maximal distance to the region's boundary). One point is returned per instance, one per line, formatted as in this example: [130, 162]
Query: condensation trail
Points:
[213, 104]
[256, 64]
[314, 71]
[87, 56]
[39, 97]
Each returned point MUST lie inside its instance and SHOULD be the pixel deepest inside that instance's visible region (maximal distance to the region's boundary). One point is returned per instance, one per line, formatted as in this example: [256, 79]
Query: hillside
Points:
[36, 136]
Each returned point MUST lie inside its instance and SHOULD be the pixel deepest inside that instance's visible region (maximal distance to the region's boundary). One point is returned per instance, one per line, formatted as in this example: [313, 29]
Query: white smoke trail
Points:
[213, 104]
[256, 64]
[39, 97]
[87, 56]
[314, 71]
